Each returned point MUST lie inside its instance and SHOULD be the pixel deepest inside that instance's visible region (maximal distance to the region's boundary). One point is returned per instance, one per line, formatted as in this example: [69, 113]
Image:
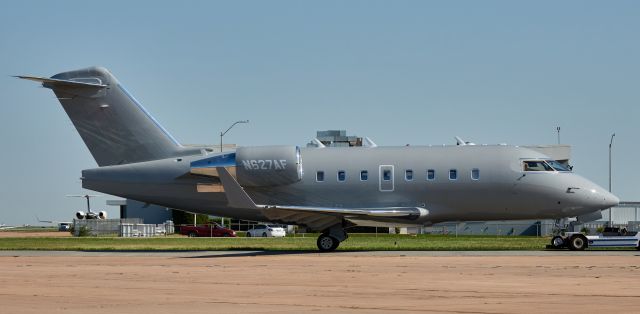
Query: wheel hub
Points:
[326, 243]
[557, 242]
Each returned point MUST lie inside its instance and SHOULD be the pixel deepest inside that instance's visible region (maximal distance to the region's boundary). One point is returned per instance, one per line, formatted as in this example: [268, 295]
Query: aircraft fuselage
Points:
[454, 183]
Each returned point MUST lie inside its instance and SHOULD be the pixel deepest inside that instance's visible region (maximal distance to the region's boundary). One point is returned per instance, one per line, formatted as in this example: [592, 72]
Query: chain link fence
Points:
[128, 227]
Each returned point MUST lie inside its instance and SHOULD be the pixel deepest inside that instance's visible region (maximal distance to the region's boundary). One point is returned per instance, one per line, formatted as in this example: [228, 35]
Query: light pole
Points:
[225, 132]
[221, 135]
[610, 208]
[558, 129]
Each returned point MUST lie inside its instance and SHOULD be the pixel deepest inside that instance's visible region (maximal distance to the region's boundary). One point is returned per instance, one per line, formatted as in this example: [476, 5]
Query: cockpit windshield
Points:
[558, 166]
[544, 165]
[536, 165]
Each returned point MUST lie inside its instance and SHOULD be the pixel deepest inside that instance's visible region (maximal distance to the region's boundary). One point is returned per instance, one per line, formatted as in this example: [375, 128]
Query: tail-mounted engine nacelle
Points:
[102, 215]
[268, 165]
[81, 215]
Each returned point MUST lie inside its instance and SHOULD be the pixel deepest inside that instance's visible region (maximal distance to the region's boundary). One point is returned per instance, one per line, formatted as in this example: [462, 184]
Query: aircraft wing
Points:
[374, 212]
[315, 217]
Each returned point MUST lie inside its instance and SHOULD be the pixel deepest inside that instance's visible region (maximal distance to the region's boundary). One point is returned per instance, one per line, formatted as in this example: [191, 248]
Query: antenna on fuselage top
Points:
[367, 142]
[461, 142]
[317, 143]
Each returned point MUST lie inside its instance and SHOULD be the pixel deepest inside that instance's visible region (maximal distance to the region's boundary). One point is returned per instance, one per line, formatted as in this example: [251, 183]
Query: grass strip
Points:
[354, 243]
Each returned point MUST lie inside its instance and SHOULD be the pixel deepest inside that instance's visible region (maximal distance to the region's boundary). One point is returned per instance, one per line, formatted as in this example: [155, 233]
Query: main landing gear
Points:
[330, 239]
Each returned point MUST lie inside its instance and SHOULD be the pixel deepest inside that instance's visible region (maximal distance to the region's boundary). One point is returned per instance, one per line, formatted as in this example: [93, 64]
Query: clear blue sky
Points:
[417, 72]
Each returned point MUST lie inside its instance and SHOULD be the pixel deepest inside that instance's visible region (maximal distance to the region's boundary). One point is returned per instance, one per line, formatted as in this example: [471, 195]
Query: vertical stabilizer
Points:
[112, 123]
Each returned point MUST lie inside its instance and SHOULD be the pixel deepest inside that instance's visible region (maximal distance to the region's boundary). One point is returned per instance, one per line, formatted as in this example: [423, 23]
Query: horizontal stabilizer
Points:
[51, 83]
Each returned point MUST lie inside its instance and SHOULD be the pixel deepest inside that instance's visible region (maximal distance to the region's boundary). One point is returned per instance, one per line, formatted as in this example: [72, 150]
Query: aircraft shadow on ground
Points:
[264, 253]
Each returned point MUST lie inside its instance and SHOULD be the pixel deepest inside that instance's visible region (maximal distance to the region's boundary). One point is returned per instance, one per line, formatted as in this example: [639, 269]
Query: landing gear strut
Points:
[330, 239]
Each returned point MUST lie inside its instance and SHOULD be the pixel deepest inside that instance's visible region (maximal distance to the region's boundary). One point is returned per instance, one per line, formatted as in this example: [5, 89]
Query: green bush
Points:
[84, 231]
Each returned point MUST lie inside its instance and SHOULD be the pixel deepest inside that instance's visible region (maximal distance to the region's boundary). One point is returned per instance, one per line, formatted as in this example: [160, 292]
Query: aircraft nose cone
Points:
[584, 196]
[601, 198]
[610, 200]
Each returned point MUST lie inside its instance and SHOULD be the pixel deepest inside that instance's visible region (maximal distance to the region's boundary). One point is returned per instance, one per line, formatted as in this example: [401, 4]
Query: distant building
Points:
[624, 213]
[336, 138]
[149, 213]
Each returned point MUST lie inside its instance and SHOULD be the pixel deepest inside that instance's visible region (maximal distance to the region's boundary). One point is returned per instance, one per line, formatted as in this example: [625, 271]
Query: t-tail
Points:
[112, 123]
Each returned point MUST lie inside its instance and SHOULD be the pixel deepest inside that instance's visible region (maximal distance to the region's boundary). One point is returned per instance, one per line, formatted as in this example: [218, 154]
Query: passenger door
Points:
[385, 178]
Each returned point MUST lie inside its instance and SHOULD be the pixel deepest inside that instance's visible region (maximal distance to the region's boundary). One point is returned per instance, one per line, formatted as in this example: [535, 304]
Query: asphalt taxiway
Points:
[299, 282]
[238, 253]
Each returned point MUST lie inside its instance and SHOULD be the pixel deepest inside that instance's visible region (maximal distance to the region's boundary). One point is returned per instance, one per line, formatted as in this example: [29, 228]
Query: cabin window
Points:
[453, 174]
[408, 175]
[536, 165]
[320, 176]
[475, 174]
[364, 175]
[431, 174]
[386, 175]
[342, 176]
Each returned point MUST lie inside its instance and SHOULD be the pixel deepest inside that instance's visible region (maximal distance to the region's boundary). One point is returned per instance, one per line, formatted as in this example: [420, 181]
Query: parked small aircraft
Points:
[328, 189]
[89, 214]
[66, 225]
[6, 227]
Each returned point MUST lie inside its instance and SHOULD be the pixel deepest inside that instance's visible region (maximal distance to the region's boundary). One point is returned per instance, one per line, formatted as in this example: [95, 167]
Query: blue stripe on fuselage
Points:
[226, 160]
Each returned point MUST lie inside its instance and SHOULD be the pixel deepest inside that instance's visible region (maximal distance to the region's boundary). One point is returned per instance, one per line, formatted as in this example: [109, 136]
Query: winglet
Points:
[236, 196]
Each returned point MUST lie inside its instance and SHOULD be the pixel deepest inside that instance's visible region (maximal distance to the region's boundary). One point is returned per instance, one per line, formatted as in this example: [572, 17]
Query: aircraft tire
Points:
[327, 243]
[578, 243]
[248, 235]
[557, 242]
[264, 234]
